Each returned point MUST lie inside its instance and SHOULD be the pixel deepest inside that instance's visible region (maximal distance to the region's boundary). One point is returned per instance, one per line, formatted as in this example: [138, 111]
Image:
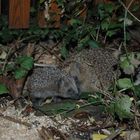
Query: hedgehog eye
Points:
[70, 90]
[115, 67]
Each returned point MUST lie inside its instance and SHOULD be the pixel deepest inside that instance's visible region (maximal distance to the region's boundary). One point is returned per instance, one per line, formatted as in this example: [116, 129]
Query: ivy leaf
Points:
[122, 107]
[20, 73]
[3, 89]
[124, 83]
[25, 62]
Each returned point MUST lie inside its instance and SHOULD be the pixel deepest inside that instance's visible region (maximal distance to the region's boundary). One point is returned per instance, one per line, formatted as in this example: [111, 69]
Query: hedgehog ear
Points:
[75, 69]
[60, 83]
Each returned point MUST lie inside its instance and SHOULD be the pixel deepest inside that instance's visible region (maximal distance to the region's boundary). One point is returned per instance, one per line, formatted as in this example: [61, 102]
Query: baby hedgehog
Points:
[51, 81]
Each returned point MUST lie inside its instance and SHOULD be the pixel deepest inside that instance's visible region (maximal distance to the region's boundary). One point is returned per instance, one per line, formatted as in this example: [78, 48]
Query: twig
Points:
[82, 106]
[44, 65]
[45, 134]
[15, 120]
[97, 128]
[127, 9]
[6, 59]
[27, 38]
[97, 35]
[51, 51]
[35, 64]
[136, 114]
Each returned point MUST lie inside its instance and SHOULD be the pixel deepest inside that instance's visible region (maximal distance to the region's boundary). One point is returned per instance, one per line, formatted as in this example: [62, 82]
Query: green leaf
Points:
[20, 73]
[138, 56]
[25, 62]
[101, 11]
[83, 42]
[124, 83]
[32, 10]
[93, 44]
[127, 67]
[64, 52]
[129, 63]
[137, 90]
[3, 89]
[111, 33]
[135, 7]
[10, 67]
[60, 3]
[130, 56]
[3, 55]
[54, 109]
[109, 7]
[41, 1]
[124, 64]
[129, 70]
[115, 25]
[104, 25]
[75, 22]
[122, 107]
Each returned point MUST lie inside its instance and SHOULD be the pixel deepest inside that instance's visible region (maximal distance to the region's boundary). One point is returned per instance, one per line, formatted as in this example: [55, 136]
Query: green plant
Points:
[121, 107]
[34, 33]
[3, 89]
[122, 103]
[17, 70]
[109, 18]
[129, 62]
[23, 65]
[76, 35]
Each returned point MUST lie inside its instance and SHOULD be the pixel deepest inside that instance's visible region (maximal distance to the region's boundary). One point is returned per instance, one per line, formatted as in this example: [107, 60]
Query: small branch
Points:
[51, 51]
[6, 59]
[127, 9]
[97, 35]
[15, 120]
[35, 64]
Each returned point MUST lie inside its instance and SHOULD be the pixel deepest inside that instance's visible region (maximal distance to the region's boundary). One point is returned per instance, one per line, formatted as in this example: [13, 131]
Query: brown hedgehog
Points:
[94, 69]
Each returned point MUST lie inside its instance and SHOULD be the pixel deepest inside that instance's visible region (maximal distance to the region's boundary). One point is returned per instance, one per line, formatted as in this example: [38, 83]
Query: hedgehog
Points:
[95, 69]
[52, 82]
